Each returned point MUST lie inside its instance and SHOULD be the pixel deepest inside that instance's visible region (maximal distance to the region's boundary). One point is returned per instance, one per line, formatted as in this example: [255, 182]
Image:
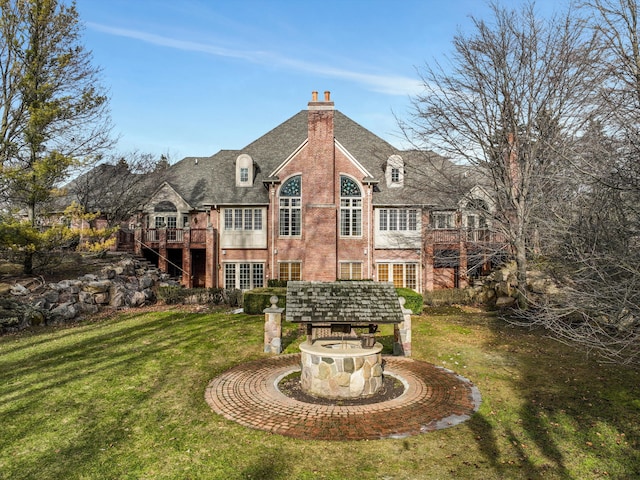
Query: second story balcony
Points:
[452, 236]
[174, 237]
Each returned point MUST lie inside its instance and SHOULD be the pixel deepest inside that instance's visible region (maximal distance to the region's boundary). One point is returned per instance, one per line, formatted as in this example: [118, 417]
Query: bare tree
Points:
[510, 104]
[595, 247]
[118, 187]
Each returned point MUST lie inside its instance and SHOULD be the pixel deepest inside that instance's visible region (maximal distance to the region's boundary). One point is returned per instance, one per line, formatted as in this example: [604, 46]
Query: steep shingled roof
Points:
[212, 181]
[343, 302]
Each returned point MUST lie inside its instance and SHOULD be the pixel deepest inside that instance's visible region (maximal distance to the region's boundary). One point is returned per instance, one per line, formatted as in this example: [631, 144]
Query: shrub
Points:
[173, 295]
[450, 296]
[413, 300]
[256, 300]
[273, 283]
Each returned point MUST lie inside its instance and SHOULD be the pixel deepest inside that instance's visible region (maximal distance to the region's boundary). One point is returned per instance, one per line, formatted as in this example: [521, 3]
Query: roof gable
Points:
[166, 193]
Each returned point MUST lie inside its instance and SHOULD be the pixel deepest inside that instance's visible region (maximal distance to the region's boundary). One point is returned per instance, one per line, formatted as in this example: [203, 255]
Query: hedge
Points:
[256, 300]
[450, 296]
[172, 295]
[413, 299]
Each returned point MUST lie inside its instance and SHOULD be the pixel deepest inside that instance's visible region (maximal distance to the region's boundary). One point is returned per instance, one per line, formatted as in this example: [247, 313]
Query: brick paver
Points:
[434, 398]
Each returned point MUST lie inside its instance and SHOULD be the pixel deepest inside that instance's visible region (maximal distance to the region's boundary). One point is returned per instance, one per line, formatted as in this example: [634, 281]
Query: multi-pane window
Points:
[230, 276]
[350, 208]
[172, 224]
[401, 219]
[443, 220]
[291, 208]
[476, 221]
[244, 174]
[351, 271]
[383, 272]
[257, 272]
[243, 219]
[248, 219]
[237, 219]
[228, 219]
[289, 271]
[403, 275]
[243, 276]
[411, 276]
[395, 175]
[257, 219]
[160, 222]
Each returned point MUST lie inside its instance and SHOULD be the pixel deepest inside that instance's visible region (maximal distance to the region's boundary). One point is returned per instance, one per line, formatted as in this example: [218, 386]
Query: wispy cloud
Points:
[387, 84]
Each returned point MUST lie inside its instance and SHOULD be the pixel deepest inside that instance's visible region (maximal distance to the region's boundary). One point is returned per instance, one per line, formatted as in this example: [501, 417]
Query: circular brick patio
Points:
[434, 398]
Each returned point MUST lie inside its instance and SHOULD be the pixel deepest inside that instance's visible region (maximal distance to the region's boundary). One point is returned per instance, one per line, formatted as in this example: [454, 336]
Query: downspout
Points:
[273, 226]
[370, 231]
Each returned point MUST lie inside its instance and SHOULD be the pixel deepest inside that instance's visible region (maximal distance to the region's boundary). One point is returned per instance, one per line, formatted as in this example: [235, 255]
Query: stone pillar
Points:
[138, 239]
[163, 264]
[187, 269]
[402, 332]
[273, 327]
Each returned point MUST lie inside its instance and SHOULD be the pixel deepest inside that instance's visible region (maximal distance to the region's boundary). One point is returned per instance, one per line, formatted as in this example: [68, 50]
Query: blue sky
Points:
[191, 77]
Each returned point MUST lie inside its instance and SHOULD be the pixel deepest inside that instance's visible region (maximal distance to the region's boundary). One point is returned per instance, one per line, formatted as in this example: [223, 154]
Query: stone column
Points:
[402, 332]
[273, 327]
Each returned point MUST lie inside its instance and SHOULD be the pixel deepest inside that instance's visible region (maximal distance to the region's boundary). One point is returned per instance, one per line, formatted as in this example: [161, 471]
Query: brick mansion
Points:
[318, 198]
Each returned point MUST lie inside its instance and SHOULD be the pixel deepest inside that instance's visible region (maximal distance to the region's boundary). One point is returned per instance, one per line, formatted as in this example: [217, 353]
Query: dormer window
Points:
[394, 171]
[244, 171]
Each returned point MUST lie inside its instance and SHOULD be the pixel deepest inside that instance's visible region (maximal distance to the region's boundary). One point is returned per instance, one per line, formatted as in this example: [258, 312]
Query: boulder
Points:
[18, 290]
[99, 286]
[118, 295]
[102, 298]
[51, 296]
[504, 302]
[62, 313]
[138, 299]
[34, 317]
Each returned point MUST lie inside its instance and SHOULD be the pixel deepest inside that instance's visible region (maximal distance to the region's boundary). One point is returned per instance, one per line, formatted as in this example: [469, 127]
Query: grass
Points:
[123, 398]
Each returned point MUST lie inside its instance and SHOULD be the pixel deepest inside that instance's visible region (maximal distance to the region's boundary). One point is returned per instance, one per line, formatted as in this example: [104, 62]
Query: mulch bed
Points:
[391, 388]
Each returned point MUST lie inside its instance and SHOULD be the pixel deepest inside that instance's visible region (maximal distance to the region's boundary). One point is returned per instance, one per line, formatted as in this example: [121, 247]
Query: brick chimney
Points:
[321, 149]
[319, 183]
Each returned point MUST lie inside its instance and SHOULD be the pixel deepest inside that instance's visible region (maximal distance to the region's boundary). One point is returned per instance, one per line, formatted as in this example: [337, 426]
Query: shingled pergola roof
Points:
[343, 302]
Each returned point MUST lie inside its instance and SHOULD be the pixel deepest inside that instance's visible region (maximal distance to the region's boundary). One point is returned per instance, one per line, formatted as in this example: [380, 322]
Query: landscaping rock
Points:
[64, 301]
[99, 286]
[62, 313]
[19, 290]
[138, 299]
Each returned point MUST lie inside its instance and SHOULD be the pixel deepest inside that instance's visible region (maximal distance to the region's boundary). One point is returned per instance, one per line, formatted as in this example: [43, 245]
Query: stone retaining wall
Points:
[130, 282]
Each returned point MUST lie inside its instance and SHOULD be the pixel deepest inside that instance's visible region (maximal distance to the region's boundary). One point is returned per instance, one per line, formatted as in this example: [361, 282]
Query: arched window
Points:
[165, 206]
[290, 207]
[350, 208]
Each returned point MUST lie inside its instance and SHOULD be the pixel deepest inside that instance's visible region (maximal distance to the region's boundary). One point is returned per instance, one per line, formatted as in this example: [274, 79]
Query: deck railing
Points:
[176, 235]
[477, 235]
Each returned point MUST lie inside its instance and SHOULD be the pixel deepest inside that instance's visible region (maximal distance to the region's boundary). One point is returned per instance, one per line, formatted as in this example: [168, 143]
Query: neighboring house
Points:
[317, 198]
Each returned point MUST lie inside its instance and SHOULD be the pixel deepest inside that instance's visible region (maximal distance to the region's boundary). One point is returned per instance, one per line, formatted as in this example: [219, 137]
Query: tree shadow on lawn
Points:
[572, 410]
[74, 393]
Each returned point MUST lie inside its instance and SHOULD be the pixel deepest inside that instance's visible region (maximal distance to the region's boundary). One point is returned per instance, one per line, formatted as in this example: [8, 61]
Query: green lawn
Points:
[123, 398]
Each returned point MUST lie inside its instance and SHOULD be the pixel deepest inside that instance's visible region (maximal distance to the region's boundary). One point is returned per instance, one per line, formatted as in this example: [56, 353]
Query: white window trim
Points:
[237, 272]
